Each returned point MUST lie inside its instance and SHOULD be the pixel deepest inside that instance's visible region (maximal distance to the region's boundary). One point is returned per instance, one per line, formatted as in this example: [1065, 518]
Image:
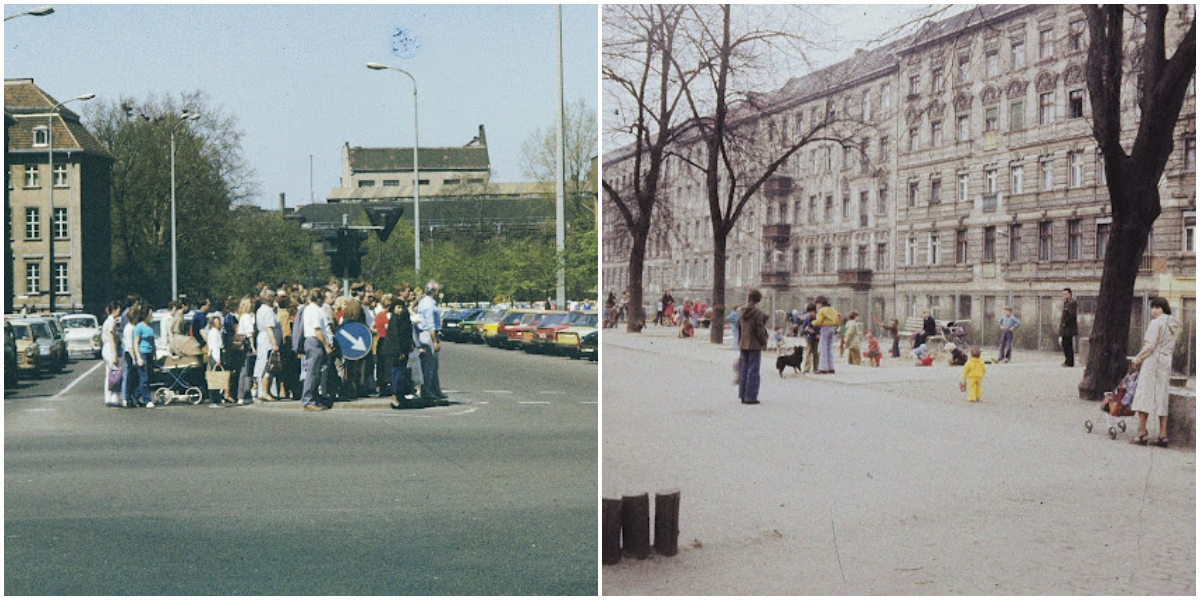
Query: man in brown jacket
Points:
[752, 338]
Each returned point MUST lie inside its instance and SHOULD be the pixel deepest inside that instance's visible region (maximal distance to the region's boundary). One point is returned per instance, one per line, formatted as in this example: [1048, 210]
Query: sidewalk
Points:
[886, 481]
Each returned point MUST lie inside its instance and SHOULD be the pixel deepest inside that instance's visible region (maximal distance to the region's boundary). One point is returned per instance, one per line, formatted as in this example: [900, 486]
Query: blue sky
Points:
[295, 75]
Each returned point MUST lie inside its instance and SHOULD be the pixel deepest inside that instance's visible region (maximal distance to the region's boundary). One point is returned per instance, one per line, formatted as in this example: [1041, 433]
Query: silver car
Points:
[82, 333]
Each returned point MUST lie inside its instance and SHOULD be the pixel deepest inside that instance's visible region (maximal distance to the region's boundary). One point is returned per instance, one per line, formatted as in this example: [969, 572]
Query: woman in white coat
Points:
[1154, 363]
[110, 341]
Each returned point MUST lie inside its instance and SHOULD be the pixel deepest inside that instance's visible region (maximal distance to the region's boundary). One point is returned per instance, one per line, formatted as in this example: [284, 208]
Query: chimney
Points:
[282, 204]
[482, 137]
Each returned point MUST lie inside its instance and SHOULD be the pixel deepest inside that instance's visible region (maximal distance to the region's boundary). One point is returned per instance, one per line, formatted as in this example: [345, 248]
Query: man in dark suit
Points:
[1068, 327]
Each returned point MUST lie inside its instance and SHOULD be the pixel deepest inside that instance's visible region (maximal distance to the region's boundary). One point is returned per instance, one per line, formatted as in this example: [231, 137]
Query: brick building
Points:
[975, 185]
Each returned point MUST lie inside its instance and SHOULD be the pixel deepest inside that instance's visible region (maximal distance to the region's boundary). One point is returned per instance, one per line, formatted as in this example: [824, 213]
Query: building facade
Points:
[976, 185]
[387, 173]
[78, 221]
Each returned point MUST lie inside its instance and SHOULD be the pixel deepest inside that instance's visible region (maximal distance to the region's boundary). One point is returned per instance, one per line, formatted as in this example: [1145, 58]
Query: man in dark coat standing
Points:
[752, 338]
[1068, 327]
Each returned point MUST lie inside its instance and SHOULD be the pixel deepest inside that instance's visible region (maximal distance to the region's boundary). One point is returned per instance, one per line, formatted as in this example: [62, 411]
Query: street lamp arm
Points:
[37, 12]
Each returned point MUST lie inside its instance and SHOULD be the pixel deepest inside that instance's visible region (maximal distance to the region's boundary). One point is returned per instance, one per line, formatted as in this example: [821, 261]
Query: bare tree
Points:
[1133, 176]
[579, 146]
[637, 70]
[738, 155]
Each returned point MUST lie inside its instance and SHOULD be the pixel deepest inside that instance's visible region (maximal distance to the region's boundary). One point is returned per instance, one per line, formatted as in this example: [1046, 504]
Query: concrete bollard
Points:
[666, 522]
[635, 525]
[611, 529]
[1181, 422]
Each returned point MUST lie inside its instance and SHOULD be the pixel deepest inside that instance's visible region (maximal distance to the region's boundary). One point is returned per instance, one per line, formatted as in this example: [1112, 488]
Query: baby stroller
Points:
[181, 370]
[1116, 405]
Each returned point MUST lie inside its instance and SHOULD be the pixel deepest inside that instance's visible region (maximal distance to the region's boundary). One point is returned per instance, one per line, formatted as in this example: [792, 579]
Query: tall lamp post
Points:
[416, 168]
[185, 117]
[37, 12]
[50, 161]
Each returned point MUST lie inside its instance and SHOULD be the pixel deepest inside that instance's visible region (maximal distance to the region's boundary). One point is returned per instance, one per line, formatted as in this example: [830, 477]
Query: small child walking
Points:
[873, 352]
[972, 377]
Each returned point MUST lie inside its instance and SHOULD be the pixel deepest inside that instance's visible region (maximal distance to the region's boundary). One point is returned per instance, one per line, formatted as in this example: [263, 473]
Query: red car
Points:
[519, 334]
[547, 331]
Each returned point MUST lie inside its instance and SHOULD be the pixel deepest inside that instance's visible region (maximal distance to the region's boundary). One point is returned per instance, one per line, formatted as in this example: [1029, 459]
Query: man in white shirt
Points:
[431, 389]
[269, 338]
[317, 336]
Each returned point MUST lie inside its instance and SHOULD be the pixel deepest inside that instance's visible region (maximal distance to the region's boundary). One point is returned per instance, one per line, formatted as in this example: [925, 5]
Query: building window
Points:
[1101, 173]
[362, 183]
[964, 188]
[847, 157]
[881, 201]
[1103, 231]
[60, 176]
[989, 181]
[1075, 104]
[880, 257]
[60, 278]
[910, 251]
[1045, 44]
[991, 119]
[883, 147]
[391, 183]
[1075, 36]
[913, 133]
[964, 68]
[960, 246]
[827, 260]
[812, 209]
[964, 128]
[33, 224]
[935, 191]
[1074, 239]
[1047, 167]
[1045, 240]
[844, 257]
[1046, 108]
[992, 60]
[1189, 154]
[1018, 179]
[885, 96]
[935, 249]
[866, 106]
[33, 278]
[935, 133]
[475, 181]
[989, 244]
[1014, 243]
[829, 208]
[59, 226]
[846, 205]
[864, 207]
[451, 181]
[1189, 231]
[912, 193]
[1018, 53]
[937, 80]
[810, 263]
[828, 159]
[1075, 159]
[32, 177]
[1016, 115]
[41, 136]
[914, 85]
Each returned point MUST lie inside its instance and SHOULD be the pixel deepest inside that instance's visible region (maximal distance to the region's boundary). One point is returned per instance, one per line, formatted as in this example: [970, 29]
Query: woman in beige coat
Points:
[1154, 363]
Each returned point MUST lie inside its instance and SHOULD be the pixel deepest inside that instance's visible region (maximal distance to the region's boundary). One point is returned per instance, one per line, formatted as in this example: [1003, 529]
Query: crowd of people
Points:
[280, 342]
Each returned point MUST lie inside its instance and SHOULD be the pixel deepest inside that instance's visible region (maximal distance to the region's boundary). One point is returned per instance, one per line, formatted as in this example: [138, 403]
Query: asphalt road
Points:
[494, 494]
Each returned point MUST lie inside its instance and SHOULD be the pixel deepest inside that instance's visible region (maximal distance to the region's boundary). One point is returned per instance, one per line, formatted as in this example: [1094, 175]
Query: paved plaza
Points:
[886, 481]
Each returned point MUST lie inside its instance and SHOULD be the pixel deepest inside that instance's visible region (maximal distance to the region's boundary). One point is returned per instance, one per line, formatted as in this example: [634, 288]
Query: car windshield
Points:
[41, 330]
[511, 318]
[492, 316]
[553, 320]
[73, 322]
[588, 320]
[532, 319]
[21, 332]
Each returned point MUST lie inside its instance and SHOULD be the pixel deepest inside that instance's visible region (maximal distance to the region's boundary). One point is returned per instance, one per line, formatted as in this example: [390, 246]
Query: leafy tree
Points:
[579, 147]
[263, 247]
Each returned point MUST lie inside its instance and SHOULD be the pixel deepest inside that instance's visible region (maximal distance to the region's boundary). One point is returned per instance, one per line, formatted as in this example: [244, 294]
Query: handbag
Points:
[274, 364]
[217, 379]
[239, 342]
[114, 378]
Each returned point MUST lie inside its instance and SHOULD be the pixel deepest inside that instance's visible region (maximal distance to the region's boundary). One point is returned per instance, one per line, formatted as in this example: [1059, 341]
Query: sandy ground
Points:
[886, 481]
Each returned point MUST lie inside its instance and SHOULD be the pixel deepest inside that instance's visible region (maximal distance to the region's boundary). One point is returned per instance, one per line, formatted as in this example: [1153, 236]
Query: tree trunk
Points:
[717, 329]
[1109, 340]
[637, 264]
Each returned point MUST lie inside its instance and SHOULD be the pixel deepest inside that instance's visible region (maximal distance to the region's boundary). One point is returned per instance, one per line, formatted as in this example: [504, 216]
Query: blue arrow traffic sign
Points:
[354, 340]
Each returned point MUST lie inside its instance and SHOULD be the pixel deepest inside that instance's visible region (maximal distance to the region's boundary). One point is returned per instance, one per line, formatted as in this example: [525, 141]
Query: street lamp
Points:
[50, 161]
[416, 168]
[37, 12]
[185, 117]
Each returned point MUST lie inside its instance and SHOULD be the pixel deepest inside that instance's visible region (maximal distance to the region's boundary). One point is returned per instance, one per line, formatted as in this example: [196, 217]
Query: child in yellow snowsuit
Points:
[972, 376]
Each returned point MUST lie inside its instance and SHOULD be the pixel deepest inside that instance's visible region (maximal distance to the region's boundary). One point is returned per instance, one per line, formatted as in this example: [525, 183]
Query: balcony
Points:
[778, 184]
[859, 279]
[777, 232]
[776, 277]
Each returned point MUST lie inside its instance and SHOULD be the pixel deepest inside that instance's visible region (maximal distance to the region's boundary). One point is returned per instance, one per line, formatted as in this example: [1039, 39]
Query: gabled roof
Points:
[24, 101]
[391, 160]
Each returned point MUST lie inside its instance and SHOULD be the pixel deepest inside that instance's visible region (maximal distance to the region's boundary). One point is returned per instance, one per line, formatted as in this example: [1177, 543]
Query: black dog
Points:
[793, 360]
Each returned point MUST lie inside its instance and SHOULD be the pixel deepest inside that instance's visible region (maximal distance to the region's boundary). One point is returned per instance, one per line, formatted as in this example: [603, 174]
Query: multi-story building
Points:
[387, 173]
[78, 221]
[982, 186]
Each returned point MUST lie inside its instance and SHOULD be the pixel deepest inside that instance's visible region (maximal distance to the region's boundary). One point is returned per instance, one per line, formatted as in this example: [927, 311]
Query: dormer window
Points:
[41, 136]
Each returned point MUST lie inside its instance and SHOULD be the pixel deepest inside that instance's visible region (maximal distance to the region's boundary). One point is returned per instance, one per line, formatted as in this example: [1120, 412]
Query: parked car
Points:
[589, 346]
[30, 356]
[547, 332]
[11, 366]
[451, 323]
[474, 330]
[498, 336]
[82, 333]
[567, 341]
[53, 344]
[521, 336]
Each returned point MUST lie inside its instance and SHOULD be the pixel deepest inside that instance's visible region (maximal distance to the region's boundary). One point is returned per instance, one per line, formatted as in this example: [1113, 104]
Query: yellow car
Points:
[474, 330]
[566, 342]
[29, 359]
[497, 334]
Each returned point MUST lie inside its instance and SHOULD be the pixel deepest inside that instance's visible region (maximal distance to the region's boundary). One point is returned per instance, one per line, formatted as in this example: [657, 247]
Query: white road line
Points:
[40, 409]
[496, 391]
[552, 393]
[532, 402]
[78, 379]
[592, 402]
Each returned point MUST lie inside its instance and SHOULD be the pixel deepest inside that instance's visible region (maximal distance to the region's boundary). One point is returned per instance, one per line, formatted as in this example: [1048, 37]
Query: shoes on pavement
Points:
[112, 405]
[214, 405]
[149, 405]
[443, 397]
[751, 402]
[315, 407]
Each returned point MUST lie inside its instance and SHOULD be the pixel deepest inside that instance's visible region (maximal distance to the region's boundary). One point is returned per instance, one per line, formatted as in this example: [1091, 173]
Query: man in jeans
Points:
[752, 338]
[1068, 327]
[317, 334]
[431, 389]
[1008, 324]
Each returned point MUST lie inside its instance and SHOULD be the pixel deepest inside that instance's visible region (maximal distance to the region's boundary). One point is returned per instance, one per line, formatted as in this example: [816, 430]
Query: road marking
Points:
[552, 393]
[78, 379]
[592, 402]
[482, 402]
[496, 391]
[40, 409]
[532, 402]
